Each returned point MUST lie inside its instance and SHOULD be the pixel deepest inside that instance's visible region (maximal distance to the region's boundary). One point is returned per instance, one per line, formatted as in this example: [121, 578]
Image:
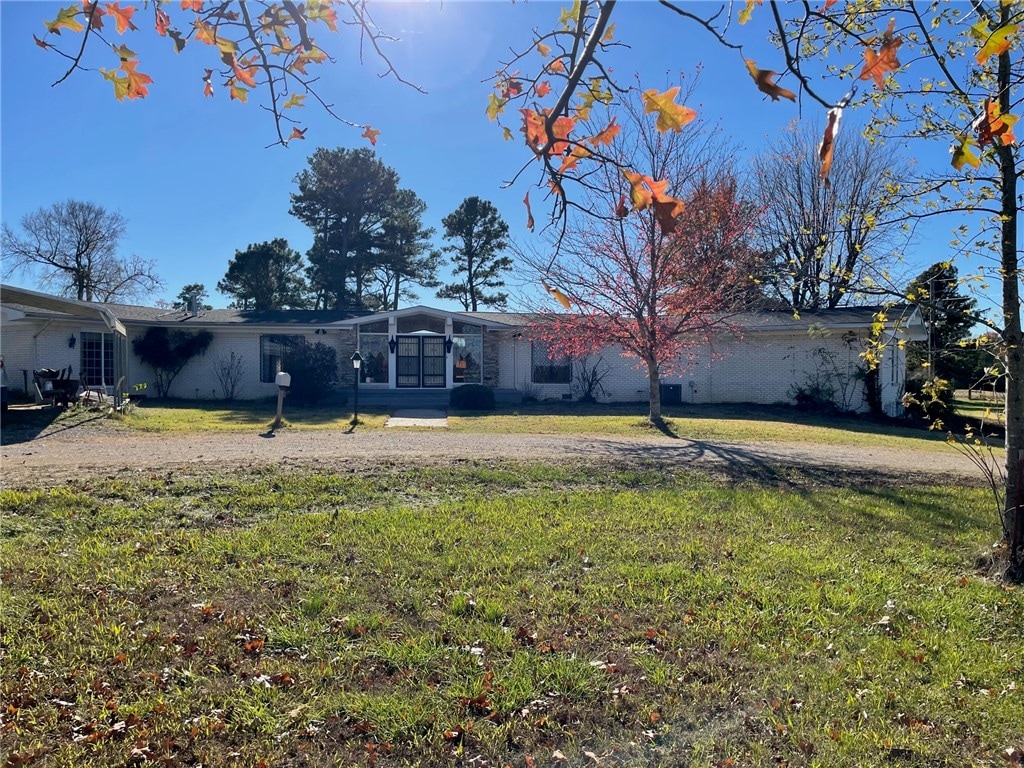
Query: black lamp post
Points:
[357, 361]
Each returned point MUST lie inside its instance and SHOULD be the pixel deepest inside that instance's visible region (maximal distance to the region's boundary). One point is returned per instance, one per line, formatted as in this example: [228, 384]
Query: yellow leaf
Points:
[506, 132]
[748, 10]
[995, 42]
[609, 34]
[570, 14]
[964, 154]
[543, 50]
[295, 100]
[238, 92]
[66, 19]
[495, 106]
[560, 297]
[120, 83]
[671, 116]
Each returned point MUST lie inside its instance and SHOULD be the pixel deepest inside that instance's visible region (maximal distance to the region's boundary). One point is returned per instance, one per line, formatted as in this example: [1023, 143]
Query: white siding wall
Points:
[29, 344]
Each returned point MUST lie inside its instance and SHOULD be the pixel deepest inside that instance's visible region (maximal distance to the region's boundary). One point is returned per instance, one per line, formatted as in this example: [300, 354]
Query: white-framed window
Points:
[546, 369]
[97, 359]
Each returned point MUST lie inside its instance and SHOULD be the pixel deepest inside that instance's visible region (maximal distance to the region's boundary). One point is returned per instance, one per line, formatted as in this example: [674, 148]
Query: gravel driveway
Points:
[56, 455]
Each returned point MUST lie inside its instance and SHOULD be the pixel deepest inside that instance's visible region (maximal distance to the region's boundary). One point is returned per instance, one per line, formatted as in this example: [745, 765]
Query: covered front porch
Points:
[422, 351]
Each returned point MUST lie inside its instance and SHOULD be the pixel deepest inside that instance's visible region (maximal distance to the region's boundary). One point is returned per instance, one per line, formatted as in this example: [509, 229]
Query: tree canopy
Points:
[72, 247]
[265, 275]
[477, 236]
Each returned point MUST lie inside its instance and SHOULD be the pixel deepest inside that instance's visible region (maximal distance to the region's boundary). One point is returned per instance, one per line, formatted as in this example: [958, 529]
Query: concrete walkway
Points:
[418, 417]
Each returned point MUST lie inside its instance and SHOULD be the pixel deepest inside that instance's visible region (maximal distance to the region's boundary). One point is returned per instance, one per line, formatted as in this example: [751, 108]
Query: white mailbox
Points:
[283, 379]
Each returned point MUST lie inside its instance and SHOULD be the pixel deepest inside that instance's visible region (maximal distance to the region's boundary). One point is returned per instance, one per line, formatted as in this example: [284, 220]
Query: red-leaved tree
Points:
[658, 297]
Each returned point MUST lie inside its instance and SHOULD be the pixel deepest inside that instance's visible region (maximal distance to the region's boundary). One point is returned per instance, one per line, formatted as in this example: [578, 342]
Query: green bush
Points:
[314, 371]
[472, 397]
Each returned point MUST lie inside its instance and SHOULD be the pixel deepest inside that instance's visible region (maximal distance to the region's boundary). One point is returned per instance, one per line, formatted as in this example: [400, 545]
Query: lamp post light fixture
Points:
[357, 362]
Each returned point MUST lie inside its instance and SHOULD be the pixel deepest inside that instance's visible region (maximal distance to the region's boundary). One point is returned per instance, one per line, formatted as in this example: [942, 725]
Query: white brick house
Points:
[774, 358]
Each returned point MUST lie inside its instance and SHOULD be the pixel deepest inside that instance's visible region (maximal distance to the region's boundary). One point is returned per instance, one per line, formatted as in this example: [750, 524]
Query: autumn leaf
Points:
[621, 210]
[529, 213]
[371, 135]
[765, 82]
[94, 13]
[877, 65]
[120, 83]
[639, 194]
[297, 133]
[137, 81]
[195, 5]
[543, 89]
[964, 154]
[512, 88]
[994, 126]
[245, 74]
[828, 4]
[606, 136]
[238, 92]
[124, 53]
[323, 12]
[543, 50]
[122, 17]
[495, 106]
[536, 134]
[995, 43]
[748, 10]
[572, 159]
[570, 14]
[558, 296]
[208, 90]
[179, 40]
[671, 116]
[828, 143]
[41, 43]
[66, 19]
[667, 211]
[163, 23]
[295, 100]
[556, 66]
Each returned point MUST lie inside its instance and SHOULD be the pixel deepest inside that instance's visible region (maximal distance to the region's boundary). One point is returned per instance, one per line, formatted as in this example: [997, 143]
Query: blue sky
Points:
[196, 182]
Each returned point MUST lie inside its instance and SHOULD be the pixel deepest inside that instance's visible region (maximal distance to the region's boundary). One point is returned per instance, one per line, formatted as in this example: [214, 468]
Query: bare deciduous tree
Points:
[71, 247]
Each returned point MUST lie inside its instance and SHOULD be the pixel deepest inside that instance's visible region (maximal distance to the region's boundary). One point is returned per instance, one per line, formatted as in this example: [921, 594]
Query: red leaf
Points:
[163, 23]
[543, 89]
[298, 133]
[765, 82]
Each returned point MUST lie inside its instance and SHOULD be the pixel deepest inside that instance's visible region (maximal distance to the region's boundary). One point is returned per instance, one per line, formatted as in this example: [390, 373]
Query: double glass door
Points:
[420, 362]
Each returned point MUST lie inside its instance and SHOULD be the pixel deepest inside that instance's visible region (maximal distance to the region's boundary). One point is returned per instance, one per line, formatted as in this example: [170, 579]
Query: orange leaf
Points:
[238, 92]
[556, 66]
[621, 210]
[606, 136]
[828, 4]
[529, 213]
[137, 81]
[543, 50]
[671, 116]
[765, 82]
[995, 42]
[560, 297]
[208, 90]
[877, 65]
[122, 17]
[370, 134]
[195, 5]
[828, 143]
[298, 133]
[639, 195]
[994, 126]
[245, 74]
[543, 89]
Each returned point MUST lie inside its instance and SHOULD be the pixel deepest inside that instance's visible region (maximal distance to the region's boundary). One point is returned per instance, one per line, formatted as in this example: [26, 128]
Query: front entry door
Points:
[420, 362]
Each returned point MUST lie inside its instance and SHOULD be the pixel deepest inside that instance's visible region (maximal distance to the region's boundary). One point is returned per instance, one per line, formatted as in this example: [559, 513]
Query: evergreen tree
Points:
[479, 235]
[192, 291]
[265, 276]
[950, 315]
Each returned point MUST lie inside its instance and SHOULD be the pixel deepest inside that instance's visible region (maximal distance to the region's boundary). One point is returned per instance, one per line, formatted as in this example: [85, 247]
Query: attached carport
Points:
[85, 310]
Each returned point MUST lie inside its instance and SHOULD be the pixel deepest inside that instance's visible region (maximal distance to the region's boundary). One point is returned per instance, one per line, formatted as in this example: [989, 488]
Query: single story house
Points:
[775, 357]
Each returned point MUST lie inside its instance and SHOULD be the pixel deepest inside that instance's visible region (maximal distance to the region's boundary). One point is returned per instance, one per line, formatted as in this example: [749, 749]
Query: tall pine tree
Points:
[478, 235]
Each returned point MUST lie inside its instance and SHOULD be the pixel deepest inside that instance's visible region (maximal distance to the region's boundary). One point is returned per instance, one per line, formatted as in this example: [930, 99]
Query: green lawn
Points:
[736, 423]
[500, 615]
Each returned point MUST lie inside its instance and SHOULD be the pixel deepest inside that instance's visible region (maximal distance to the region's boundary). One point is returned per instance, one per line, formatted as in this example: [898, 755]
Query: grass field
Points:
[506, 614]
[721, 422]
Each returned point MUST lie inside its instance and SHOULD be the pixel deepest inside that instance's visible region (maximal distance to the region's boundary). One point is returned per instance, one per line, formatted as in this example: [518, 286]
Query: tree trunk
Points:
[654, 379]
[1012, 517]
